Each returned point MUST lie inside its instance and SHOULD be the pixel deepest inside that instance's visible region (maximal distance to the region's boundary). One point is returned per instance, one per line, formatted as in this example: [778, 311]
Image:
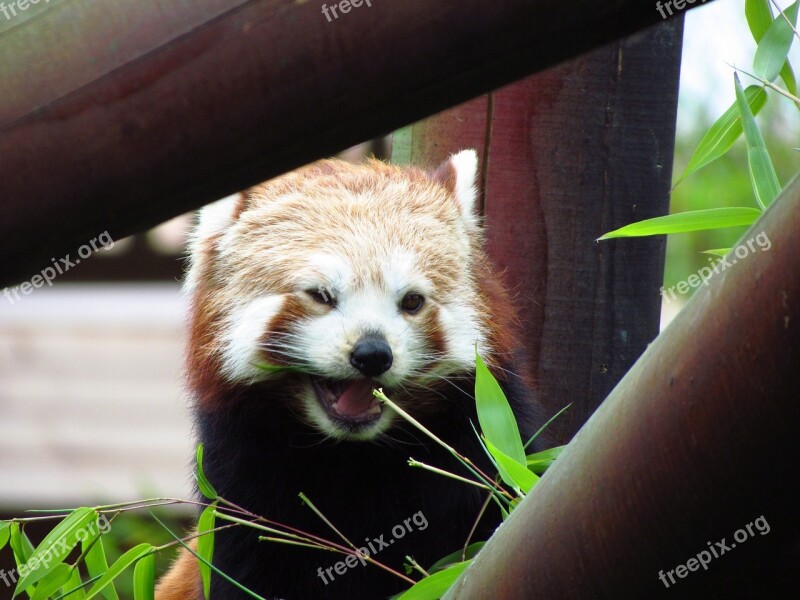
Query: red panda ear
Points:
[218, 216]
[459, 175]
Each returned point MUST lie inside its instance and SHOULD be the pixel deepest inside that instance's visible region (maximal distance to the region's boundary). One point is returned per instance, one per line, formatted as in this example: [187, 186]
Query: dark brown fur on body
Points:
[258, 456]
[263, 446]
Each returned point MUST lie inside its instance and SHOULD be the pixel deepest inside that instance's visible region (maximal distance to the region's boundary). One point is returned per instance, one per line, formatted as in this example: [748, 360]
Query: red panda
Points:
[357, 277]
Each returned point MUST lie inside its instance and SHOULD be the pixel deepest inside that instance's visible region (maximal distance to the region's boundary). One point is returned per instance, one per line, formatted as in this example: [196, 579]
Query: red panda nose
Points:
[371, 355]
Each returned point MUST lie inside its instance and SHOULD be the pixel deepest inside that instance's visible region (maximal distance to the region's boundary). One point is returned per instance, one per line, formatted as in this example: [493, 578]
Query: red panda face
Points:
[353, 277]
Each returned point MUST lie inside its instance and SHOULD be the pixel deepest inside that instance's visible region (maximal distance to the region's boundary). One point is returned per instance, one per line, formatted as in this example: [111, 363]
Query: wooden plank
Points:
[183, 116]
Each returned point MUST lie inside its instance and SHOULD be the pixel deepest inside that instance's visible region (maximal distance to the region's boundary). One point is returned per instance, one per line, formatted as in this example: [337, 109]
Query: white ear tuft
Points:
[459, 175]
[465, 165]
[212, 219]
[215, 217]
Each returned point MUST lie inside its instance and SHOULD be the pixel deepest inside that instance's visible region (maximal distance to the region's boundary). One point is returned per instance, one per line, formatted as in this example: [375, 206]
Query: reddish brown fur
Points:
[220, 283]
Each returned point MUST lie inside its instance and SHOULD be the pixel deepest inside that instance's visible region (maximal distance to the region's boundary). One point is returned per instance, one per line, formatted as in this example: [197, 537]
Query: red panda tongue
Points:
[356, 398]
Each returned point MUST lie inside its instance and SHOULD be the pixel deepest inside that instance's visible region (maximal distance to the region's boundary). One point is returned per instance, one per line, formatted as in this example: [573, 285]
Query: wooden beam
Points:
[697, 442]
[119, 115]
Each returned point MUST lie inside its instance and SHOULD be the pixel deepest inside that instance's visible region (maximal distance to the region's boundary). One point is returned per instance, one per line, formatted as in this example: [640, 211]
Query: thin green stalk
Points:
[416, 566]
[543, 427]
[211, 566]
[767, 83]
[416, 463]
[474, 527]
[305, 499]
[462, 459]
[266, 538]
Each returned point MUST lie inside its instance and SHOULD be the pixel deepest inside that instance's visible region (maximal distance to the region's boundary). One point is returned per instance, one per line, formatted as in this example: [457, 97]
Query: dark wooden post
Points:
[568, 154]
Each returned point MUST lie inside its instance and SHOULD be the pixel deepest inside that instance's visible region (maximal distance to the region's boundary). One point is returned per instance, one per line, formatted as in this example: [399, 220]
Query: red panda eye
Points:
[412, 303]
[322, 296]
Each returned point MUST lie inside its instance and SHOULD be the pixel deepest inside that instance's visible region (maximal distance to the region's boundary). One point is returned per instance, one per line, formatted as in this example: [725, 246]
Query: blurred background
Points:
[93, 408]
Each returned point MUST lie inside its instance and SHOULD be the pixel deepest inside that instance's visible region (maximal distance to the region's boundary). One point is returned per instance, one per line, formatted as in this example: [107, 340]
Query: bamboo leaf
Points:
[55, 547]
[788, 76]
[723, 133]
[22, 549]
[144, 578]
[759, 17]
[96, 563]
[202, 482]
[73, 588]
[435, 586]
[115, 570]
[49, 585]
[539, 462]
[693, 220]
[497, 419]
[279, 368]
[717, 251]
[774, 45]
[5, 533]
[514, 474]
[205, 546]
[762, 174]
[20, 544]
[468, 553]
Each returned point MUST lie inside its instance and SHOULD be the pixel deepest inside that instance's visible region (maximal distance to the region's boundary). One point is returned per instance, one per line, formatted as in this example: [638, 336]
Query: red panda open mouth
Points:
[349, 401]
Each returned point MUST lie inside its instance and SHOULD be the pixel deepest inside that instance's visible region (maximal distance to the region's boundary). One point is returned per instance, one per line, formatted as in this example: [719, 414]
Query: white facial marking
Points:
[244, 333]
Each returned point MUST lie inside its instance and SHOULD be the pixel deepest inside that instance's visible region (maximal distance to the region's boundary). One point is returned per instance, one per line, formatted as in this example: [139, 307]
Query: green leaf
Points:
[469, 553]
[436, 585]
[96, 563]
[759, 17]
[495, 415]
[788, 76]
[5, 533]
[546, 425]
[20, 544]
[514, 474]
[55, 547]
[717, 251]
[723, 133]
[205, 545]
[124, 561]
[279, 368]
[774, 45]
[539, 462]
[22, 548]
[73, 588]
[144, 578]
[205, 487]
[692, 220]
[762, 174]
[49, 585]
